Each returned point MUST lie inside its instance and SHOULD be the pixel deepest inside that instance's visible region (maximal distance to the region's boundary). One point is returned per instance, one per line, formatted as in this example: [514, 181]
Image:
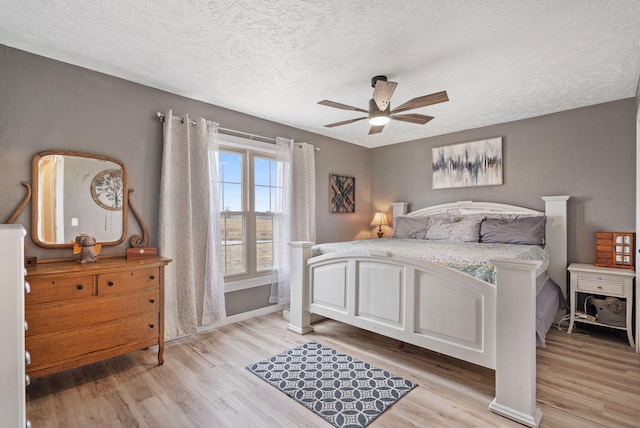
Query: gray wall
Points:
[49, 105]
[587, 153]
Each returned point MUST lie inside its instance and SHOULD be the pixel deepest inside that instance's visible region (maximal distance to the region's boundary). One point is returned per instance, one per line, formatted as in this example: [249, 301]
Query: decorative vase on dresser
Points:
[83, 313]
[12, 351]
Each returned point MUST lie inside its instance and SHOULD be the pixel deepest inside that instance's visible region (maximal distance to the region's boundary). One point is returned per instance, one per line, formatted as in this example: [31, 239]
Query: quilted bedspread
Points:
[471, 258]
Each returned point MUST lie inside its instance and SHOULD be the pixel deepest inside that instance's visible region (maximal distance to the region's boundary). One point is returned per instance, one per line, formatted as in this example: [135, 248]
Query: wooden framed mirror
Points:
[74, 193]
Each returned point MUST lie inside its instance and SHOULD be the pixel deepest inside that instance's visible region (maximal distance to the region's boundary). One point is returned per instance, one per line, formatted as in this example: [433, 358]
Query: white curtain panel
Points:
[294, 219]
[189, 226]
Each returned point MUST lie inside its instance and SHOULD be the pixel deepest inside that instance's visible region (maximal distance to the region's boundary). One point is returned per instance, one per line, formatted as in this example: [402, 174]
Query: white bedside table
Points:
[601, 281]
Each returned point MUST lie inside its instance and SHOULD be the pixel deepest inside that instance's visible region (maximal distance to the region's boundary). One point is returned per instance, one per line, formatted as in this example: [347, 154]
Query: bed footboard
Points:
[431, 306]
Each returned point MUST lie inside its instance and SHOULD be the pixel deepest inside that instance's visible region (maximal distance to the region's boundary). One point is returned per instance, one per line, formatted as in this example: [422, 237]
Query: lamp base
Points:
[380, 233]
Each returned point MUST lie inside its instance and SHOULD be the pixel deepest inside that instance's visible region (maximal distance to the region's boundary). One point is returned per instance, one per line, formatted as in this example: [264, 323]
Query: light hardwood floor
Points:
[582, 382]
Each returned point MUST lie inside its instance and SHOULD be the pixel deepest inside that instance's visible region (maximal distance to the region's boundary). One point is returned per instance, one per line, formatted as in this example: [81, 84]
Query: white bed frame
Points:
[438, 308]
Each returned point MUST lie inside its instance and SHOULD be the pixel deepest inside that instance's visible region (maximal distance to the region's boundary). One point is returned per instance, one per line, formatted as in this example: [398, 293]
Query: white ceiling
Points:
[498, 60]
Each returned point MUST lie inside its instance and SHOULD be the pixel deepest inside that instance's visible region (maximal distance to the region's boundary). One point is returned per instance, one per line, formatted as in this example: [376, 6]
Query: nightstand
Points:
[601, 282]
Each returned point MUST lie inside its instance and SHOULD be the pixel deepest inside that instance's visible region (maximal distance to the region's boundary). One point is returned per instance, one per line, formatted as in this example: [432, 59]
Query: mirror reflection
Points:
[78, 193]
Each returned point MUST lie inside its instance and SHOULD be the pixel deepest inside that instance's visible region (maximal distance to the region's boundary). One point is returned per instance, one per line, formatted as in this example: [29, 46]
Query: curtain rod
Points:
[226, 131]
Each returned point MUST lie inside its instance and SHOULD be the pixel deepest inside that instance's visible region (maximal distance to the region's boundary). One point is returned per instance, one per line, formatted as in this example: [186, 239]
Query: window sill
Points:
[245, 284]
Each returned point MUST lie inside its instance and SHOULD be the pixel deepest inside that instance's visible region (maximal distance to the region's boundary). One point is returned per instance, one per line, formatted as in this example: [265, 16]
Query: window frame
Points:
[250, 149]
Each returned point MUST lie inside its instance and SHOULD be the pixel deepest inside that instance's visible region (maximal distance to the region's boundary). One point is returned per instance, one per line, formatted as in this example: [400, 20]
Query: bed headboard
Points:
[485, 207]
[555, 233]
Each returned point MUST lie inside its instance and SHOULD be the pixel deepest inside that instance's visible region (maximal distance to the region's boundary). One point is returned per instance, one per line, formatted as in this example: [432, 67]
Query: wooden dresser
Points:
[78, 314]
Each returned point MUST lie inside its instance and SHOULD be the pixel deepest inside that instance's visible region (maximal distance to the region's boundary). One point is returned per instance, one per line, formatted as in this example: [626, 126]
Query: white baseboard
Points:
[242, 317]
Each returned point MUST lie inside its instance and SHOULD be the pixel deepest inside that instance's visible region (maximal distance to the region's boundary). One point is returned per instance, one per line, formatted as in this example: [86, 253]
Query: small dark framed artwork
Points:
[342, 194]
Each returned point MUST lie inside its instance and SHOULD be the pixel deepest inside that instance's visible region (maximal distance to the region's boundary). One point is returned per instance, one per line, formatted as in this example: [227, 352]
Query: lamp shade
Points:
[379, 219]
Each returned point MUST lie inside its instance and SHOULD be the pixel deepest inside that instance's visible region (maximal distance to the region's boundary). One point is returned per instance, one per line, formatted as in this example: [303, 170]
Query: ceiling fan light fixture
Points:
[379, 119]
[380, 112]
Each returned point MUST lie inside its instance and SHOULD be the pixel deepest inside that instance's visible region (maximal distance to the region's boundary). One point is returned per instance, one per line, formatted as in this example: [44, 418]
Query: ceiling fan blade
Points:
[344, 122]
[341, 106]
[420, 119]
[383, 92]
[376, 129]
[423, 101]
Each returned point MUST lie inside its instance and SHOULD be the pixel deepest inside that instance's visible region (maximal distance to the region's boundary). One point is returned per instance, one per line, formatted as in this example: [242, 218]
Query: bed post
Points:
[300, 317]
[516, 341]
[516, 313]
[398, 209]
[556, 239]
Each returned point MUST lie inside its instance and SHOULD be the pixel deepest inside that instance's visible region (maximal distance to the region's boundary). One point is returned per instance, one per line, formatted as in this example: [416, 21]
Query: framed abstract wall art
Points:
[477, 163]
[342, 194]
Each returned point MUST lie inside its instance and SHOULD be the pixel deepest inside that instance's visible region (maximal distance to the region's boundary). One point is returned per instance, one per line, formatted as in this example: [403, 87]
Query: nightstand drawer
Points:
[600, 284]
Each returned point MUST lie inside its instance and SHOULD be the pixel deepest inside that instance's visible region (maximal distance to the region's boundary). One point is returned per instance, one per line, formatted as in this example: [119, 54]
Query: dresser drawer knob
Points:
[152, 326]
[80, 287]
[110, 283]
[26, 326]
[152, 277]
[27, 380]
[27, 288]
[599, 287]
[27, 358]
[152, 300]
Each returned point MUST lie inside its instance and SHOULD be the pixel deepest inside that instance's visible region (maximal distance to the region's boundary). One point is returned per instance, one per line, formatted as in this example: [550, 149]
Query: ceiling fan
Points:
[380, 113]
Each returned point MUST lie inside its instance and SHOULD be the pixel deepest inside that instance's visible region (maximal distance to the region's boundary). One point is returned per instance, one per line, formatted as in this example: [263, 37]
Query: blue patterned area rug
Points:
[344, 391]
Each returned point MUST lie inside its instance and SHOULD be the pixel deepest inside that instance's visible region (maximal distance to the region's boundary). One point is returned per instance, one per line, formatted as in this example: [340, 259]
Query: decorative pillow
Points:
[410, 227]
[522, 230]
[465, 230]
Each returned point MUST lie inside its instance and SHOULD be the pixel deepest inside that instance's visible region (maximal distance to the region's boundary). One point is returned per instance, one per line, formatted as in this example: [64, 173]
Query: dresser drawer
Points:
[594, 283]
[78, 313]
[124, 281]
[51, 289]
[56, 348]
[604, 235]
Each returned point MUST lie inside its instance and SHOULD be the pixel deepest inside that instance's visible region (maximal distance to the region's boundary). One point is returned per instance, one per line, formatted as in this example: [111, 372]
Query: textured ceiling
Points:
[498, 60]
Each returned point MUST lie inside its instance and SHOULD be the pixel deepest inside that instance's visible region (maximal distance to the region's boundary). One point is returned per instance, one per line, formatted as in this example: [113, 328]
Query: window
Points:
[264, 172]
[232, 221]
[247, 184]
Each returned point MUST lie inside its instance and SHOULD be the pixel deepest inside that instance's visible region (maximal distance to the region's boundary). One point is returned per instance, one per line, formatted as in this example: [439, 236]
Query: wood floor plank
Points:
[583, 381]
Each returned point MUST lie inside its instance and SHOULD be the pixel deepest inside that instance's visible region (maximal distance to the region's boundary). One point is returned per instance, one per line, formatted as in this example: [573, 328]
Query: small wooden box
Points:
[614, 249]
